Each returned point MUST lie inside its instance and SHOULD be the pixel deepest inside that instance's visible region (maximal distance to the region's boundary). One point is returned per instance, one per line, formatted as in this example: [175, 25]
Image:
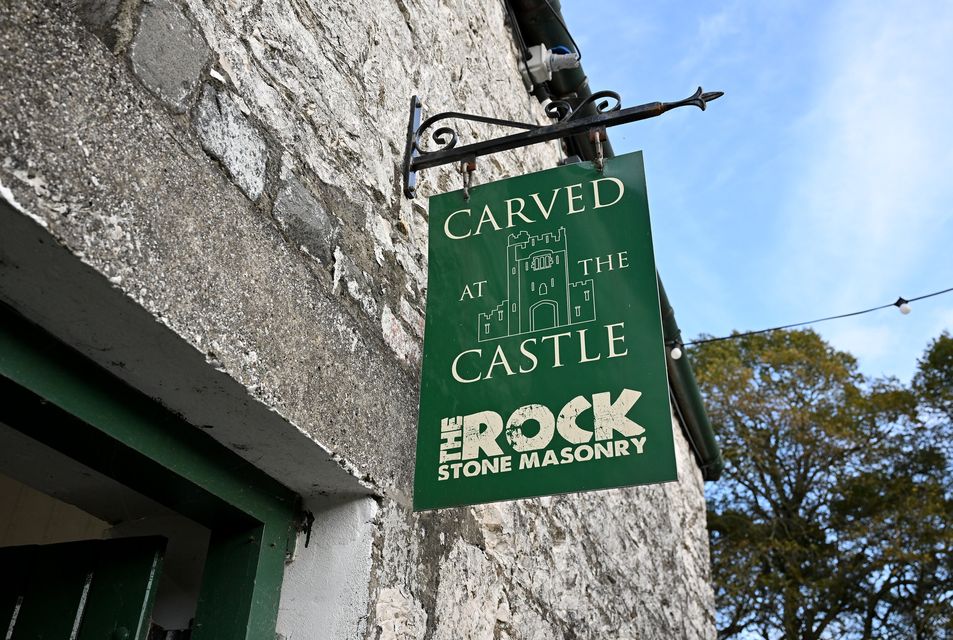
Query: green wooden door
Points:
[92, 590]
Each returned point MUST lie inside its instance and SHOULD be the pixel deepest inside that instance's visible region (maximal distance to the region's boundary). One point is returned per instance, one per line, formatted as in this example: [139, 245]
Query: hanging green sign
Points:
[544, 365]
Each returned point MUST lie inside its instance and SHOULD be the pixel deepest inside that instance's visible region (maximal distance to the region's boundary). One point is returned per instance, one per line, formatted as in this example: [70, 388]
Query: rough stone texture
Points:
[399, 617]
[228, 136]
[398, 338]
[305, 221]
[168, 53]
[316, 93]
[621, 564]
[98, 14]
[330, 84]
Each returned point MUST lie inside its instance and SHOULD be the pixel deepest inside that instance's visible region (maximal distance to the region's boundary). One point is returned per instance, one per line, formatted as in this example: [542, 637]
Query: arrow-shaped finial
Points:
[698, 99]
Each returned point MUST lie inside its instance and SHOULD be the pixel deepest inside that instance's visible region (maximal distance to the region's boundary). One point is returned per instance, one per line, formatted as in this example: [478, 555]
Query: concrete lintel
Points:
[48, 285]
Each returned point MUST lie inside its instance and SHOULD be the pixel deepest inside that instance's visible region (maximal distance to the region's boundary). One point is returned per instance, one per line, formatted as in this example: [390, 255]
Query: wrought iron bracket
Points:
[569, 122]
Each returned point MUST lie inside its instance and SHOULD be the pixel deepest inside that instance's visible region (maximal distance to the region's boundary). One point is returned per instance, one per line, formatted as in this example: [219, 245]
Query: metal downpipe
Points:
[681, 378]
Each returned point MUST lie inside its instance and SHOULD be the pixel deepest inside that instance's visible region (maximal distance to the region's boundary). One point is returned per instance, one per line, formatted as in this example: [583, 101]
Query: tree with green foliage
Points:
[831, 518]
[933, 382]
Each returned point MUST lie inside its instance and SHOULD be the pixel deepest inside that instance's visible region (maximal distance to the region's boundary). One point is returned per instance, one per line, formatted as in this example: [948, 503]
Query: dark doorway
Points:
[543, 316]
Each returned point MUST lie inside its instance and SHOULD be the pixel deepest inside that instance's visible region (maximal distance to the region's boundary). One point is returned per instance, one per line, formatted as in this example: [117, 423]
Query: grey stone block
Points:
[305, 221]
[228, 136]
[98, 14]
[168, 53]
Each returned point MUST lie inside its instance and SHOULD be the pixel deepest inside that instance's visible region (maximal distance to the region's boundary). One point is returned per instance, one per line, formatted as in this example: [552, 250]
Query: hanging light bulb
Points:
[903, 305]
[676, 353]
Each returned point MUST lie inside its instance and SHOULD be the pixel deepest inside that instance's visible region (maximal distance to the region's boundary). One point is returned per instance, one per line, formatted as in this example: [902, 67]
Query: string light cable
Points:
[902, 304]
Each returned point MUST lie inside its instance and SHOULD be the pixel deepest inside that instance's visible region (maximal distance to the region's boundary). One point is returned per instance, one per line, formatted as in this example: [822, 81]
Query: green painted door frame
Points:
[58, 397]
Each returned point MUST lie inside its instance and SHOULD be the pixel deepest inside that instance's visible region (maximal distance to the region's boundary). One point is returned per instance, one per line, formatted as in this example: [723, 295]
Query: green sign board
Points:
[544, 364]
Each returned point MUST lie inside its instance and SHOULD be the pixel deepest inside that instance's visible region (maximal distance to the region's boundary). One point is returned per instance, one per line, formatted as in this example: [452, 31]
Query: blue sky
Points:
[821, 183]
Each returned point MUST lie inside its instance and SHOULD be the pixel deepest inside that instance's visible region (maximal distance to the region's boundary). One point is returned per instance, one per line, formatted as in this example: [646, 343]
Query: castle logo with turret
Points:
[541, 293]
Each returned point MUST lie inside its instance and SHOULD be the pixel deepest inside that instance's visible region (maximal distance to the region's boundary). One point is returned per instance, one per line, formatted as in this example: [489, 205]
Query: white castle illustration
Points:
[540, 294]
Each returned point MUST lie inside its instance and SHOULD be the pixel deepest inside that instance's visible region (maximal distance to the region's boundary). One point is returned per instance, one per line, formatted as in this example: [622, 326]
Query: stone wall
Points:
[233, 168]
[628, 563]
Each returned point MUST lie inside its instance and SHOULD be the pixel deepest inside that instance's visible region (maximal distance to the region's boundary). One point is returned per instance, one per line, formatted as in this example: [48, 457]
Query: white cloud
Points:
[875, 185]
[942, 321]
[868, 214]
[821, 184]
[712, 30]
[866, 341]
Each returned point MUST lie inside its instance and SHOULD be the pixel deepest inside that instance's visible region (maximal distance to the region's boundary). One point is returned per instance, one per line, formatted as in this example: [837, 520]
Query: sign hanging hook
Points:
[466, 169]
[597, 137]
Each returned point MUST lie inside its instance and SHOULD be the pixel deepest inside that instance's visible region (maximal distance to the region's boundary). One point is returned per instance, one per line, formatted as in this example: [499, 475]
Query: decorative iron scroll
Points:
[569, 121]
[440, 135]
